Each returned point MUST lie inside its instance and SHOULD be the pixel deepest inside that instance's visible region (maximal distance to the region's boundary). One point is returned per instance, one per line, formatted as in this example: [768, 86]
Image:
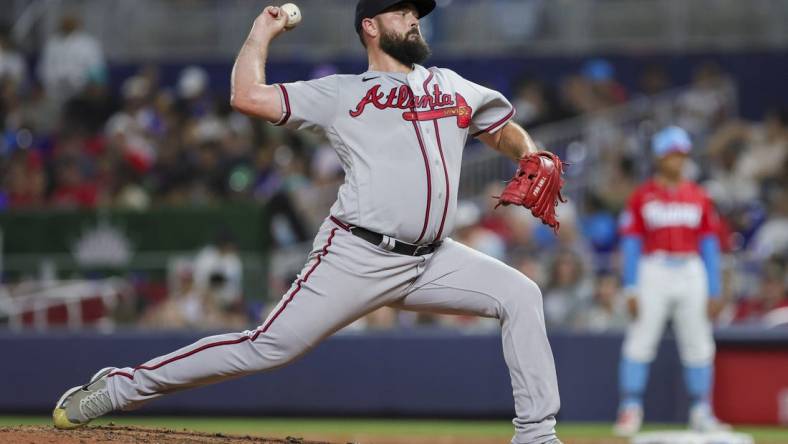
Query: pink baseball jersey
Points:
[400, 139]
[672, 220]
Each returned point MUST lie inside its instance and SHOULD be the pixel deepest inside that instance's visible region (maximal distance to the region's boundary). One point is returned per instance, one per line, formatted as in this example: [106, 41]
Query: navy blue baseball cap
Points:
[371, 8]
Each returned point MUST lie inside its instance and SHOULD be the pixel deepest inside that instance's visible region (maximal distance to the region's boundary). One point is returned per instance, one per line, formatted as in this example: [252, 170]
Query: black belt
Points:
[388, 242]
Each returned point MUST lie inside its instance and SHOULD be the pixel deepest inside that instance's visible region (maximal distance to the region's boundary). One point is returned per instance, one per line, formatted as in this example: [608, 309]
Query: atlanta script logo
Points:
[441, 105]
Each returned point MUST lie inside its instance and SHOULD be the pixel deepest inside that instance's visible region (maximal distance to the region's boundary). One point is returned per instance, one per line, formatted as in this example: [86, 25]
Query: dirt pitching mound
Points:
[142, 435]
[129, 435]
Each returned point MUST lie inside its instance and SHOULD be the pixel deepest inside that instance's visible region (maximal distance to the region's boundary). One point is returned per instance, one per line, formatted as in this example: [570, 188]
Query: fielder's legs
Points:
[342, 281]
[695, 338]
[460, 280]
[640, 344]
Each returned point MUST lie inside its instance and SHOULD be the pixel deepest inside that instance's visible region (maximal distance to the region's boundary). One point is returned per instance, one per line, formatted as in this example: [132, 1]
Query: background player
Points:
[670, 272]
[399, 130]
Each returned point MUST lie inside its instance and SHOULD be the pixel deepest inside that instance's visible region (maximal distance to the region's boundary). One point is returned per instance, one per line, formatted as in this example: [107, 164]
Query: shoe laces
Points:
[96, 404]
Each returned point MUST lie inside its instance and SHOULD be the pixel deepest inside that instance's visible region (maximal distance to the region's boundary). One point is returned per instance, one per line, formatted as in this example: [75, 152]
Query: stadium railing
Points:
[67, 303]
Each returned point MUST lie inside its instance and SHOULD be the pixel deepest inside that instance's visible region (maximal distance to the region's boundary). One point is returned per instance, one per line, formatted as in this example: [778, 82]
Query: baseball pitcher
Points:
[399, 130]
[670, 272]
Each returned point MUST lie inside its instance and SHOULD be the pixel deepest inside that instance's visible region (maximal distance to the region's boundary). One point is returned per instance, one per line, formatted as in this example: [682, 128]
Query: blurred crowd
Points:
[742, 165]
[70, 141]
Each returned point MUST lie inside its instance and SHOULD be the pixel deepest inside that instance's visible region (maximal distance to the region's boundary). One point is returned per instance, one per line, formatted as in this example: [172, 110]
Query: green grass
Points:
[379, 427]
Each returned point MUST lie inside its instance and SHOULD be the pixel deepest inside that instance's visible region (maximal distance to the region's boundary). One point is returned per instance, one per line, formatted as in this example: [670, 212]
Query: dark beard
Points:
[405, 50]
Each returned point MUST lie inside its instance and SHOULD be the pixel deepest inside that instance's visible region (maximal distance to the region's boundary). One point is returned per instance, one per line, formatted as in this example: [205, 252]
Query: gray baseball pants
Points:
[345, 278]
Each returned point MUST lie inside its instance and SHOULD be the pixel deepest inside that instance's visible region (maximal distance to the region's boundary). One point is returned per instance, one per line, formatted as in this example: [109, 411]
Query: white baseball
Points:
[293, 15]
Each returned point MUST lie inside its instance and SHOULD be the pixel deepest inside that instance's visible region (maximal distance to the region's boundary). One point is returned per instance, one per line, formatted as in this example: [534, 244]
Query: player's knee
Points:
[531, 293]
[640, 354]
[273, 354]
[640, 351]
[698, 353]
[523, 295]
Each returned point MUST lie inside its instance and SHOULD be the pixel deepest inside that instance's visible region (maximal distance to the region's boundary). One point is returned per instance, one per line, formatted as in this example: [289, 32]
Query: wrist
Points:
[527, 152]
[261, 32]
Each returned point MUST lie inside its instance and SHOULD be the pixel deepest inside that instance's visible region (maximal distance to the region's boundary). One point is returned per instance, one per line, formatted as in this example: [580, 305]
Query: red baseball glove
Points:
[537, 186]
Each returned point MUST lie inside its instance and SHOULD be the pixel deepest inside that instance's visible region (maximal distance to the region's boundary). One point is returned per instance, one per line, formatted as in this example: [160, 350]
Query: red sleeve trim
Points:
[285, 96]
[496, 124]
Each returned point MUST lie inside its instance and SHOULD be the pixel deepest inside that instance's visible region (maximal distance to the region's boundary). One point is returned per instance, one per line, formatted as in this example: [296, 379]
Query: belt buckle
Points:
[419, 248]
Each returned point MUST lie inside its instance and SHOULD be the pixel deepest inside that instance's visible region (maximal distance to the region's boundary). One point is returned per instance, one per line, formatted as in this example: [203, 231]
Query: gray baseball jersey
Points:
[400, 139]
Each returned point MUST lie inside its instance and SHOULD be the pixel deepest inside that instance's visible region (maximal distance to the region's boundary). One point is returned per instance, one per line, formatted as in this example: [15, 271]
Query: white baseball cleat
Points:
[84, 403]
[630, 419]
[702, 419]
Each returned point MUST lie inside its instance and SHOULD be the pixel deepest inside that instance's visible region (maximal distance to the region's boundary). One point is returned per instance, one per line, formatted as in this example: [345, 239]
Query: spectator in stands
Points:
[218, 269]
[89, 110]
[654, 80]
[183, 307]
[194, 100]
[615, 187]
[325, 165]
[708, 101]
[513, 225]
[384, 318]
[10, 115]
[72, 188]
[468, 231]
[766, 148]
[772, 237]
[38, 113]
[208, 179]
[529, 264]
[577, 96]
[188, 306]
[772, 294]
[127, 191]
[533, 103]
[170, 174]
[236, 145]
[569, 290]
[729, 189]
[601, 76]
[762, 149]
[599, 225]
[569, 237]
[327, 176]
[607, 312]
[153, 146]
[13, 68]
[71, 58]
[127, 130]
[24, 184]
